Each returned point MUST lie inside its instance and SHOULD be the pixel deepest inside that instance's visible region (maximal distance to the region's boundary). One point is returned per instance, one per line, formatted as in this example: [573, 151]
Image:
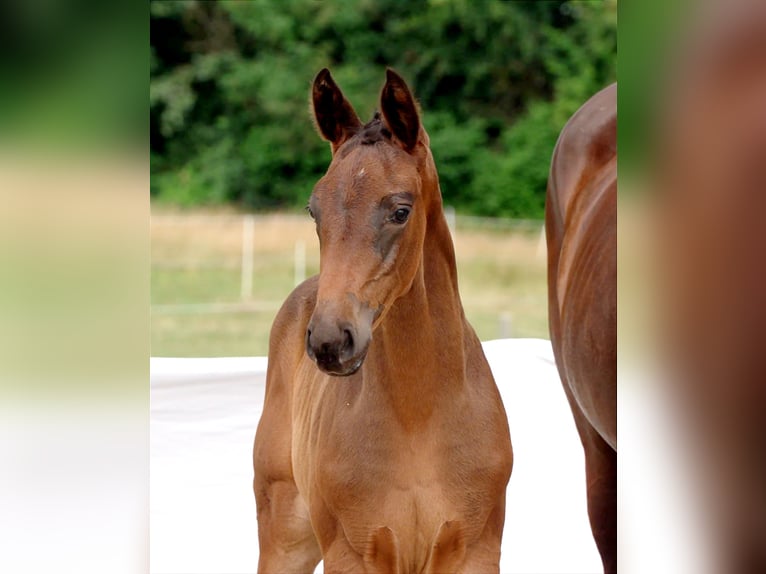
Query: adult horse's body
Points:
[384, 444]
[711, 154]
[581, 229]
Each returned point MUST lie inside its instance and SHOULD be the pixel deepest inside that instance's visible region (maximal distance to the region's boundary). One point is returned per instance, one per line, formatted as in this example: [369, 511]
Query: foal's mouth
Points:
[330, 365]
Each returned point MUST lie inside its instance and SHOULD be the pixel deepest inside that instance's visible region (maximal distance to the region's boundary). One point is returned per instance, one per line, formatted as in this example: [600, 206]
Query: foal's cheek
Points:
[387, 245]
[383, 245]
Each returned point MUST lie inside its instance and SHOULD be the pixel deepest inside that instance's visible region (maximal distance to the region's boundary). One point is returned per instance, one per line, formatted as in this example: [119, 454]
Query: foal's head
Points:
[370, 210]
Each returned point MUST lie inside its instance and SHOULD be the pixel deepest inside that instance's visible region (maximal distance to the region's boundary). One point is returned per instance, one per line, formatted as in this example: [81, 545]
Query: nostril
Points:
[348, 343]
[309, 349]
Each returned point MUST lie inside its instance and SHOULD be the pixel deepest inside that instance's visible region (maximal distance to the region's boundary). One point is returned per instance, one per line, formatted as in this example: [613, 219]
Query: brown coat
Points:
[581, 229]
[384, 444]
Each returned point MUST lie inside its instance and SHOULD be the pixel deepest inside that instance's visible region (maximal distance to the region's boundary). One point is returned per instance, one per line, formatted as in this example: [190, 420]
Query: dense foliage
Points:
[496, 81]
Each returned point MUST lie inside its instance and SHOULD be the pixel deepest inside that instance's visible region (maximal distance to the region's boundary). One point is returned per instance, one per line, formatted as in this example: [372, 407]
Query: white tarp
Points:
[203, 418]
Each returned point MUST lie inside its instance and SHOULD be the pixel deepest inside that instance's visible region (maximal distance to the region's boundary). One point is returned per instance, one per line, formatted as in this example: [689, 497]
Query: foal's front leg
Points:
[381, 554]
[286, 539]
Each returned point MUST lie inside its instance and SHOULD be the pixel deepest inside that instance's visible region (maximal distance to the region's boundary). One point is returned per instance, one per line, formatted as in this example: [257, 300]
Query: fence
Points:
[233, 264]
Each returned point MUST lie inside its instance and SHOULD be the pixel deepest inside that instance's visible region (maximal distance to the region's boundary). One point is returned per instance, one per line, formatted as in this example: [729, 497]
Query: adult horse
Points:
[711, 154]
[384, 444]
[581, 231]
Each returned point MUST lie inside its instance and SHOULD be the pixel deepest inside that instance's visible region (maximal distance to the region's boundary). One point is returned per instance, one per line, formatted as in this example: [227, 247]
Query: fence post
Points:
[542, 245]
[248, 233]
[449, 214]
[504, 325]
[300, 262]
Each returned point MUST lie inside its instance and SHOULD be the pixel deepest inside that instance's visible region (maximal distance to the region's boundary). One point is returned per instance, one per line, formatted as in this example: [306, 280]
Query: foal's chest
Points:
[366, 470]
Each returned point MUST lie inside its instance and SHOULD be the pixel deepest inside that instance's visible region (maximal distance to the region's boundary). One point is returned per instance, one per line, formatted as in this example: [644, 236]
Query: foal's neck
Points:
[419, 354]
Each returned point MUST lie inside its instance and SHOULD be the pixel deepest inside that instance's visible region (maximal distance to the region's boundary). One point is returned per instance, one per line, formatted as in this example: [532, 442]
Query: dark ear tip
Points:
[323, 77]
[392, 76]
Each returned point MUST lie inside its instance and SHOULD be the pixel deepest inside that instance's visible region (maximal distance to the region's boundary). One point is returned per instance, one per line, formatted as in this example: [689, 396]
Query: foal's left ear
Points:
[399, 110]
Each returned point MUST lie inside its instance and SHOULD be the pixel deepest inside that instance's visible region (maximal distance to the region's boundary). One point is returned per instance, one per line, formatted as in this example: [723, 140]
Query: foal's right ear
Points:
[336, 119]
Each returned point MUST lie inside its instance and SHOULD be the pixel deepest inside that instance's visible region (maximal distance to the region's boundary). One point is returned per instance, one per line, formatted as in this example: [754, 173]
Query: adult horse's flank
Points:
[581, 229]
[384, 444]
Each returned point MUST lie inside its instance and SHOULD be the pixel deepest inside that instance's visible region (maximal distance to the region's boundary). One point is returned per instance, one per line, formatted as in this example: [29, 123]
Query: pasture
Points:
[200, 307]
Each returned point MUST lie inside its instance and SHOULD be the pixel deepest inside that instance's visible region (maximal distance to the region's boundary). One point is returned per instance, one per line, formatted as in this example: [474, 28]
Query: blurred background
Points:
[496, 81]
[234, 153]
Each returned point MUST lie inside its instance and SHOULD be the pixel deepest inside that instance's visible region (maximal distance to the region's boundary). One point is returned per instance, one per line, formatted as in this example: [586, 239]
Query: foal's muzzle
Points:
[337, 347]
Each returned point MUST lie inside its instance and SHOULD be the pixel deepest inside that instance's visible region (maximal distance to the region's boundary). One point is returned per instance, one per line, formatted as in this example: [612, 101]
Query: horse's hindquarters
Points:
[588, 340]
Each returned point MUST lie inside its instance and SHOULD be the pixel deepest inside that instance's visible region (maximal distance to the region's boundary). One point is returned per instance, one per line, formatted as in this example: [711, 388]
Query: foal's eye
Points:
[311, 213]
[400, 215]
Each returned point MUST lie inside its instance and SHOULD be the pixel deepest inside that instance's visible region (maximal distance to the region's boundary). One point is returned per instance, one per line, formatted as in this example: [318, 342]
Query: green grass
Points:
[211, 334]
[196, 260]
[175, 286]
[504, 289]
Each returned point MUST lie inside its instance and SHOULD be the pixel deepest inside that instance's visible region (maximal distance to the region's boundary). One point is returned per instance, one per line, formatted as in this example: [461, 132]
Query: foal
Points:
[384, 444]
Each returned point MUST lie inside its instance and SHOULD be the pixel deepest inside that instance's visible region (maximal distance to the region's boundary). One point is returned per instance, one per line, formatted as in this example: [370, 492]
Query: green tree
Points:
[496, 82]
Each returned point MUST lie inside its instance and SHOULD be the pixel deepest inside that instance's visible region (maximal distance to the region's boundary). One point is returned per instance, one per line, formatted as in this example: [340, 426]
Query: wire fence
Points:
[228, 267]
[248, 253]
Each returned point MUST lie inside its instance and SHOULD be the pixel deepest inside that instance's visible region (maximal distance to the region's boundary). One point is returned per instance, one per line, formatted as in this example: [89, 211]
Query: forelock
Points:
[371, 133]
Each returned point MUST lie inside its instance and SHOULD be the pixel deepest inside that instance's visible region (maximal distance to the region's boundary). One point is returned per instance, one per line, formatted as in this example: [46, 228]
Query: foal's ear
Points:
[399, 110]
[336, 119]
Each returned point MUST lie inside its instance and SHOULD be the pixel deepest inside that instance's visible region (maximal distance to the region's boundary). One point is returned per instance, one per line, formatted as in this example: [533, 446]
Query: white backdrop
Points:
[203, 418]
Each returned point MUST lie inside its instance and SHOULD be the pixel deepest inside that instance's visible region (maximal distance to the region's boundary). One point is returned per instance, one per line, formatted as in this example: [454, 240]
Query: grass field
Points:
[197, 304]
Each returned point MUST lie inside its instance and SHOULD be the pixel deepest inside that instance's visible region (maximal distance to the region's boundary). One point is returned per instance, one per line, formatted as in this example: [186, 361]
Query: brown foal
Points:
[384, 444]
